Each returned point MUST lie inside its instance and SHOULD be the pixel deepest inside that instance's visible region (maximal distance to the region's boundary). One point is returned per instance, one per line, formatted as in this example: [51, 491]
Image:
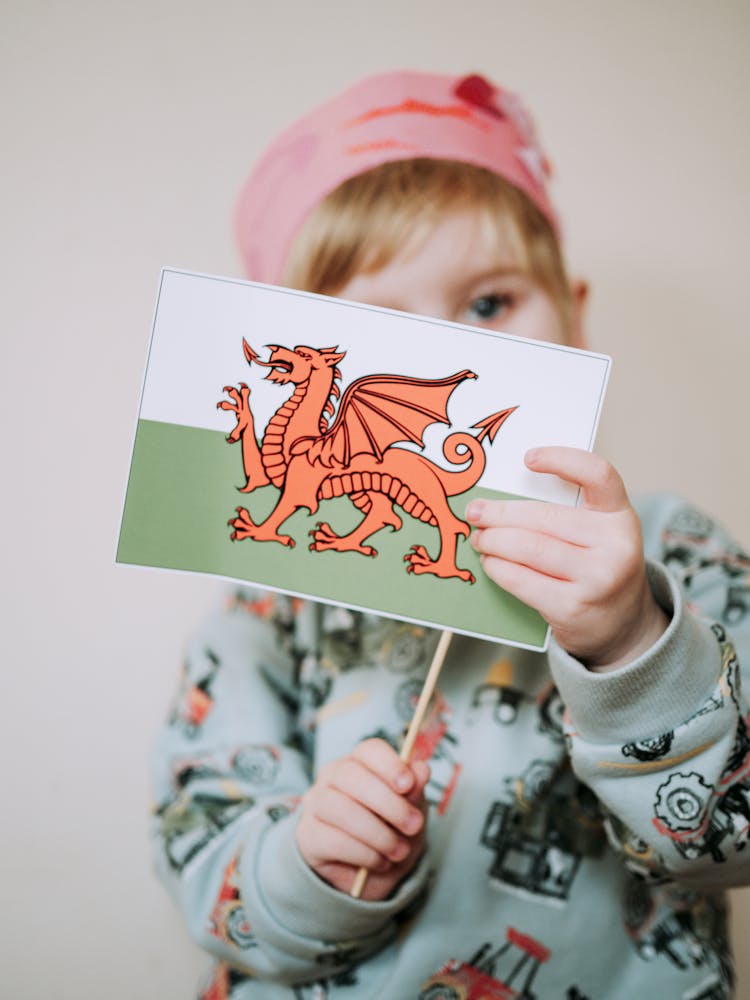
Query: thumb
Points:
[600, 483]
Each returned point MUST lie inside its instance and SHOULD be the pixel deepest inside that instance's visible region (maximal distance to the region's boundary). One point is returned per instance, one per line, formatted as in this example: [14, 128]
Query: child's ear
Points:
[580, 295]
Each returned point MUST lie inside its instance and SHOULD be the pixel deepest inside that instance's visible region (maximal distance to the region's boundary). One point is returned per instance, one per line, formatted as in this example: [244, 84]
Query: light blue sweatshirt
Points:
[582, 826]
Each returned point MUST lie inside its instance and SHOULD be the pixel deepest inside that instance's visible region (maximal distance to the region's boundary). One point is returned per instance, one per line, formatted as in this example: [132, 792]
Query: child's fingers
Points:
[543, 553]
[359, 785]
[545, 594]
[603, 495]
[603, 488]
[360, 821]
[545, 519]
[407, 779]
[333, 827]
[353, 816]
[380, 758]
[323, 844]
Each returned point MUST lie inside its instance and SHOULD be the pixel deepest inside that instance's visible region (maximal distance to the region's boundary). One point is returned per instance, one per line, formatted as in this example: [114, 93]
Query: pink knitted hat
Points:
[391, 116]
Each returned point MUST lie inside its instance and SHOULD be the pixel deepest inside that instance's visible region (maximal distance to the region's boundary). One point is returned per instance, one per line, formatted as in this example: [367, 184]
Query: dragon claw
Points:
[419, 561]
[244, 527]
[325, 539]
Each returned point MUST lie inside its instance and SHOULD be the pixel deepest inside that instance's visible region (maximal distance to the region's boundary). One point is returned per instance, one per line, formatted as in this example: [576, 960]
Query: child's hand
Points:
[365, 810]
[581, 567]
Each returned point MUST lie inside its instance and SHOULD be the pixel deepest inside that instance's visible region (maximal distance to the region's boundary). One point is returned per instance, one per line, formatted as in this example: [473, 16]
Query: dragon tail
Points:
[492, 424]
[462, 446]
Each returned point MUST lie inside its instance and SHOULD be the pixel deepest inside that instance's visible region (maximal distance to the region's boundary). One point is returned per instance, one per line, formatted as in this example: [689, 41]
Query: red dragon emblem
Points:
[313, 450]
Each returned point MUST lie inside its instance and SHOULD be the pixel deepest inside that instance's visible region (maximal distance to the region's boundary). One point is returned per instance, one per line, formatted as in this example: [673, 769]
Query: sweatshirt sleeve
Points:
[230, 767]
[664, 742]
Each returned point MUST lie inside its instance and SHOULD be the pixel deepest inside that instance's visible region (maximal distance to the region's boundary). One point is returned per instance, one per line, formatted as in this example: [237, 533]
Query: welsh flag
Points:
[328, 449]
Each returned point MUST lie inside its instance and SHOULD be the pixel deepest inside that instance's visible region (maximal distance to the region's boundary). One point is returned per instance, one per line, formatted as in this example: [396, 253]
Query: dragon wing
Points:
[377, 411]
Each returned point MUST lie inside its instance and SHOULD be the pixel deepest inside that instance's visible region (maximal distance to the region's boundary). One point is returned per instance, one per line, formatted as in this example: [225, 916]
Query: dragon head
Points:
[297, 365]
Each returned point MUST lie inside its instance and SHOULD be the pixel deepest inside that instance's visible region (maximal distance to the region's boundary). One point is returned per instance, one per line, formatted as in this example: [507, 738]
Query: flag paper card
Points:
[329, 449]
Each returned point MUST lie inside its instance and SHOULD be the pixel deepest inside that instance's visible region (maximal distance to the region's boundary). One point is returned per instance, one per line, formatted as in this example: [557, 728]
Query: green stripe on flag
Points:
[183, 488]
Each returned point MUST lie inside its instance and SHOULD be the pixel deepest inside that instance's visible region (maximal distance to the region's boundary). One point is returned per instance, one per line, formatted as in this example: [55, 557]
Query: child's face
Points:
[459, 273]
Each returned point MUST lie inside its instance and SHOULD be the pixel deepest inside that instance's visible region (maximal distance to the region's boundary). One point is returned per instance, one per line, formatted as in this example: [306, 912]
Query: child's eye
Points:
[487, 307]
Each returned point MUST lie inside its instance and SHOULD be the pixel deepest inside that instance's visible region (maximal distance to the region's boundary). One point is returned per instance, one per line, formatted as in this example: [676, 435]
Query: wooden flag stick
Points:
[414, 726]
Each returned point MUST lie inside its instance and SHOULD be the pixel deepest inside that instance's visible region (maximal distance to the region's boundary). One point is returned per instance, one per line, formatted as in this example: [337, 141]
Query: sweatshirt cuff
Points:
[307, 906]
[658, 691]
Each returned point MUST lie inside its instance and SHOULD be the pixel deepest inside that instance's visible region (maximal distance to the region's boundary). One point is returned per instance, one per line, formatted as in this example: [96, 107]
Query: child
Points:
[569, 820]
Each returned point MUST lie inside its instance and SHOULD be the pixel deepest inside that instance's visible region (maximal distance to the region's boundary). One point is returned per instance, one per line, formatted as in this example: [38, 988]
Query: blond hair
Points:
[362, 225]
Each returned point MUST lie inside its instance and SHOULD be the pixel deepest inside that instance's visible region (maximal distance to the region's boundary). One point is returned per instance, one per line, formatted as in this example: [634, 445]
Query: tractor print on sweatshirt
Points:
[671, 923]
[501, 971]
[540, 832]
[692, 545]
[696, 816]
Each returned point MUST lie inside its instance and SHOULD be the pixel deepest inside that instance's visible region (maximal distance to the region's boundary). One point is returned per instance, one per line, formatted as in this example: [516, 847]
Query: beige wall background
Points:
[126, 131]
